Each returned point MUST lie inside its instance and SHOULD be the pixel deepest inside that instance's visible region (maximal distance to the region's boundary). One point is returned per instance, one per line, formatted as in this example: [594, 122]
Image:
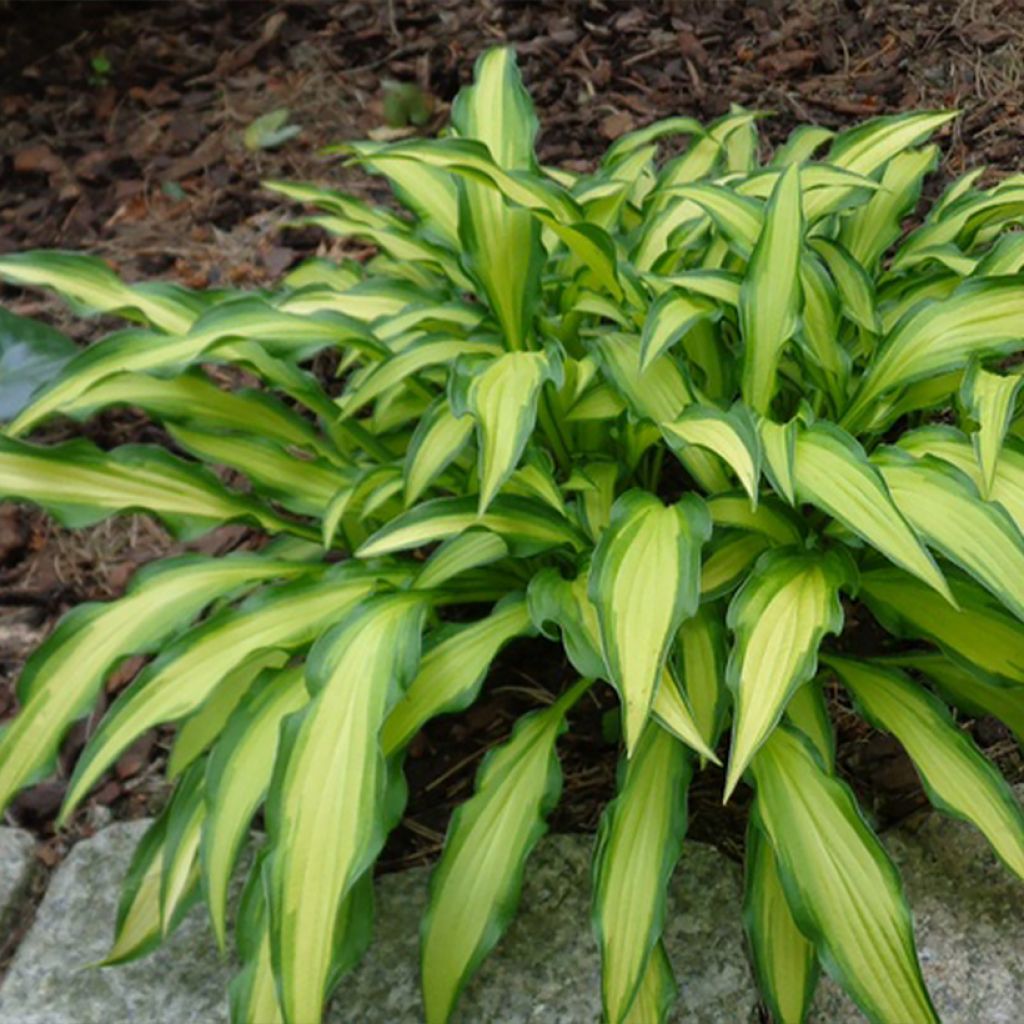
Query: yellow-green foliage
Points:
[675, 415]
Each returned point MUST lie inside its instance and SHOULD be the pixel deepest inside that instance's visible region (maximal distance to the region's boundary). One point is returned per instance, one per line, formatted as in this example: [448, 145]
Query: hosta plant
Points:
[686, 417]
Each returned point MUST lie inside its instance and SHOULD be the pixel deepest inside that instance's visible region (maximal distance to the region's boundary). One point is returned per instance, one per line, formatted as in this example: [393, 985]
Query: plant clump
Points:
[674, 415]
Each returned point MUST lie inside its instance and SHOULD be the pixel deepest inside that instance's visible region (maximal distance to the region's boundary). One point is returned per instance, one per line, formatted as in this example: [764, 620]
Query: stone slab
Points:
[16, 869]
[49, 981]
[545, 970]
[967, 914]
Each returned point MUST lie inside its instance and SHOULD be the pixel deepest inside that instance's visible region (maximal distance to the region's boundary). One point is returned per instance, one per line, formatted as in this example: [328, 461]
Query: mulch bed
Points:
[121, 134]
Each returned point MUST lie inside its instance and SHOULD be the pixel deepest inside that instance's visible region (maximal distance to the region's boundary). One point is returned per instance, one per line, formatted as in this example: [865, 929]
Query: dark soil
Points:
[121, 134]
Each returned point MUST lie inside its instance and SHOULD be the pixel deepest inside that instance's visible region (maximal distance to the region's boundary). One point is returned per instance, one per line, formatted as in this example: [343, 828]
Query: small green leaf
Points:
[839, 882]
[405, 103]
[644, 582]
[788, 604]
[475, 887]
[502, 393]
[785, 962]
[639, 841]
[31, 354]
[956, 776]
[770, 297]
[324, 837]
[270, 131]
[990, 398]
[730, 435]
[943, 506]
[832, 471]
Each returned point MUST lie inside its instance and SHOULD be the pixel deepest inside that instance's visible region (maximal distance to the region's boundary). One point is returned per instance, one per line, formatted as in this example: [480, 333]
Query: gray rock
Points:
[545, 970]
[49, 981]
[966, 908]
[969, 922]
[16, 868]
